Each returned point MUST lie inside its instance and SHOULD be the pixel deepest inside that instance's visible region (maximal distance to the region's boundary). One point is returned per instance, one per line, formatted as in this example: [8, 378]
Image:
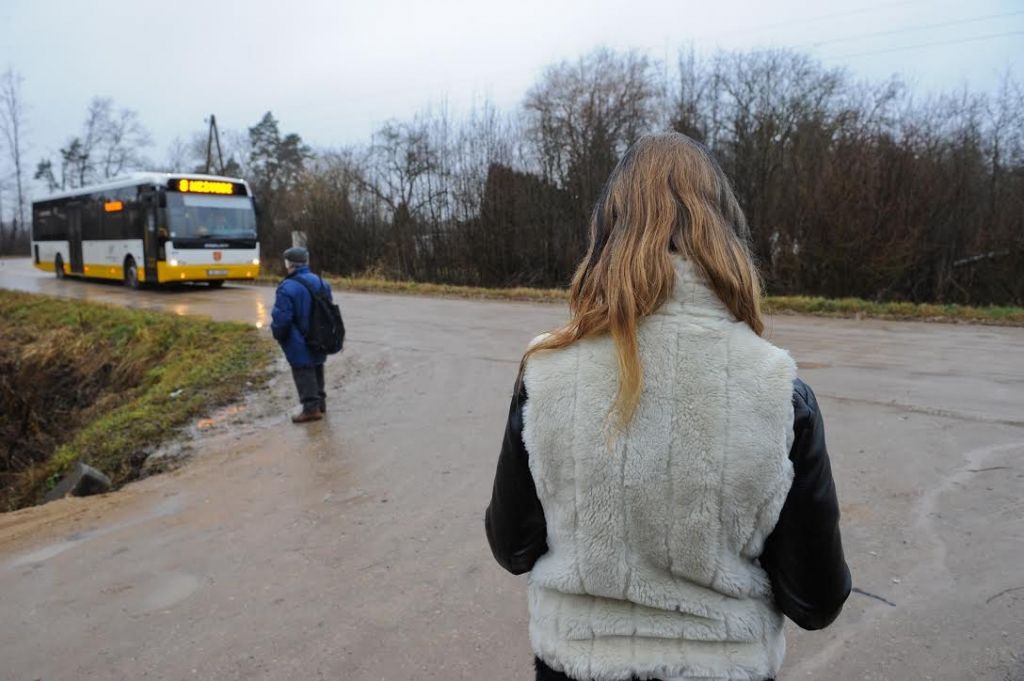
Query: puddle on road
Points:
[167, 507]
[167, 590]
[813, 365]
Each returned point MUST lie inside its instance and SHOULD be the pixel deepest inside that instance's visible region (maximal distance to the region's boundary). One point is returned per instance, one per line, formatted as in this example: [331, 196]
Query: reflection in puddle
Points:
[261, 313]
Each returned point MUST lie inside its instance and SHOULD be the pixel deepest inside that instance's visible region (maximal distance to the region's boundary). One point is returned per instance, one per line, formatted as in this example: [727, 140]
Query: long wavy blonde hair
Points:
[666, 195]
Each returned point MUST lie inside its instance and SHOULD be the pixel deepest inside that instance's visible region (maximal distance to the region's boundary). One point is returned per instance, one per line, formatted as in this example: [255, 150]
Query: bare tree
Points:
[179, 156]
[400, 157]
[590, 110]
[581, 117]
[110, 143]
[12, 126]
[3, 230]
[851, 188]
[122, 138]
[189, 154]
[397, 163]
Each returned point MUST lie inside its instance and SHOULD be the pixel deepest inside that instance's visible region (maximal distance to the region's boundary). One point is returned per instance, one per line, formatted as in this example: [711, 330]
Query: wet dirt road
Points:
[354, 548]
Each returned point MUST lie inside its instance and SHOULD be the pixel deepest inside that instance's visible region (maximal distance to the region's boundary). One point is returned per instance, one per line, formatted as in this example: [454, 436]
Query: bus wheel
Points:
[216, 283]
[58, 267]
[131, 273]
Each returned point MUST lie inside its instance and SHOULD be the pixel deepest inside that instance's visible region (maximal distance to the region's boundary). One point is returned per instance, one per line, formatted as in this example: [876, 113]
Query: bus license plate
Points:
[216, 273]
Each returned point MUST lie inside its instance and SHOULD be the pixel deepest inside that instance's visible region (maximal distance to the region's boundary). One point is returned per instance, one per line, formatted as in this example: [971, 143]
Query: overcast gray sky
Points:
[333, 70]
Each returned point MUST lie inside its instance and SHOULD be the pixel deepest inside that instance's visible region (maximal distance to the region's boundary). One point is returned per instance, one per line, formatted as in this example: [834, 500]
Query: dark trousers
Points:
[310, 383]
[546, 673]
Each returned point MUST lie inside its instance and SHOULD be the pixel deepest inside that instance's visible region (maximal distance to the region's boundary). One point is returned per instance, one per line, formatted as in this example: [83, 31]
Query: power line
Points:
[909, 29]
[823, 17]
[922, 45]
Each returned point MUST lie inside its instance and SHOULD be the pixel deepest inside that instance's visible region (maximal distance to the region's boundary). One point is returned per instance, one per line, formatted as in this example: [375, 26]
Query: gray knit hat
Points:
[297, 255]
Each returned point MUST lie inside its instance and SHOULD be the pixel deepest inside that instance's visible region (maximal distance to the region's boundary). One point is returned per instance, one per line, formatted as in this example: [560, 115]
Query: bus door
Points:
[75, 237]
[150, 238]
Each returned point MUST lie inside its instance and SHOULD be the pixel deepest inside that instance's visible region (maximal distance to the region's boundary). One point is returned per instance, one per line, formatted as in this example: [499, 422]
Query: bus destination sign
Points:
[190, 186]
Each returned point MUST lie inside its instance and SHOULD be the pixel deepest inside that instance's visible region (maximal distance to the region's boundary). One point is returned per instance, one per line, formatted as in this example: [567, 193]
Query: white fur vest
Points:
[654, 534]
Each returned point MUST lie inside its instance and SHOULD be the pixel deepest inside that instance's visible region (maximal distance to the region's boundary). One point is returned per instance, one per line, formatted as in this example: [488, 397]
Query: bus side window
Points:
[40, 229]
[91, 225]
[57, 226]
[115, 229]
[106, 221]
[129, 227]
[114, 219]
[134, 218]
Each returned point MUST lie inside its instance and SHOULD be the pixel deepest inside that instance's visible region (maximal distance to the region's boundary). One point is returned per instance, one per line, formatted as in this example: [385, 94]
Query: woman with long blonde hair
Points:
[664, 476]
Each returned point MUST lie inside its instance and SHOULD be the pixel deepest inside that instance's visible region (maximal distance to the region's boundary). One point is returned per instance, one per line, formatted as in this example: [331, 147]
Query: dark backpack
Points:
[326, 332]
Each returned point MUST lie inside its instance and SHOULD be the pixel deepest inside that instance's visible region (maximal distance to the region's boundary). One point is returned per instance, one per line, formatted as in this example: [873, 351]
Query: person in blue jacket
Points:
[290, 322]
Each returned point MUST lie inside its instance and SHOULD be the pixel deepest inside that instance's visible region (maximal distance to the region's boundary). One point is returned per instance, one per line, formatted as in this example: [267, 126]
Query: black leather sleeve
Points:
[514, 519]
[803, 555]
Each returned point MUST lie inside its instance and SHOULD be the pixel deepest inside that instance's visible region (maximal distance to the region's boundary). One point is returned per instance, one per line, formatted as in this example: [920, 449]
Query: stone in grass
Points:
[81, 481]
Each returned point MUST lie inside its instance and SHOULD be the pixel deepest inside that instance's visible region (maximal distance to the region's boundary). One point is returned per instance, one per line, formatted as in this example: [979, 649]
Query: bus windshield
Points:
[194, 216]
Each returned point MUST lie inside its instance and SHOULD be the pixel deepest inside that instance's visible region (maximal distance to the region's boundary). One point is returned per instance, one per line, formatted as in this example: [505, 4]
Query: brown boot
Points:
[303, 417]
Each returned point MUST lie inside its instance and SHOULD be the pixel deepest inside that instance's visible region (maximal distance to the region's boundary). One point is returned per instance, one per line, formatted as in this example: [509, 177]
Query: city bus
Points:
[150, 228]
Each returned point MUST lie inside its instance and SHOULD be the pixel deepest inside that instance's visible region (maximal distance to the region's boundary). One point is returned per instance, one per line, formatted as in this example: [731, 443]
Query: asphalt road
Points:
[354, 549]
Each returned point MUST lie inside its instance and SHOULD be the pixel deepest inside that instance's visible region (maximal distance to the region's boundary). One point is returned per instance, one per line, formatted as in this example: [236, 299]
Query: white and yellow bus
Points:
[151, 228]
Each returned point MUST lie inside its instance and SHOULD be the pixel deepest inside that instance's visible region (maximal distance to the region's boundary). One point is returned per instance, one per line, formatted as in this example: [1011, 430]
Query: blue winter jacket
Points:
[290, 319]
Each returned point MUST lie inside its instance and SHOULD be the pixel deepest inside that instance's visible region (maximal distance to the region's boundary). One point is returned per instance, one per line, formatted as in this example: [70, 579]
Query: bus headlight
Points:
[172, 262]
[255, 261]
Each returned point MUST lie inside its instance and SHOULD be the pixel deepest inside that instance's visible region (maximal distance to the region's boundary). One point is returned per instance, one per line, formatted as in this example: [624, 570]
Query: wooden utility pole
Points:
[213, 138]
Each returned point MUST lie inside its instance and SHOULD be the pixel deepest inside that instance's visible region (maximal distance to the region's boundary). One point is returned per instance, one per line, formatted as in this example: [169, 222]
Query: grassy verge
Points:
[822, 307]
[930, 312]
[105, 385]
[417, 288]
